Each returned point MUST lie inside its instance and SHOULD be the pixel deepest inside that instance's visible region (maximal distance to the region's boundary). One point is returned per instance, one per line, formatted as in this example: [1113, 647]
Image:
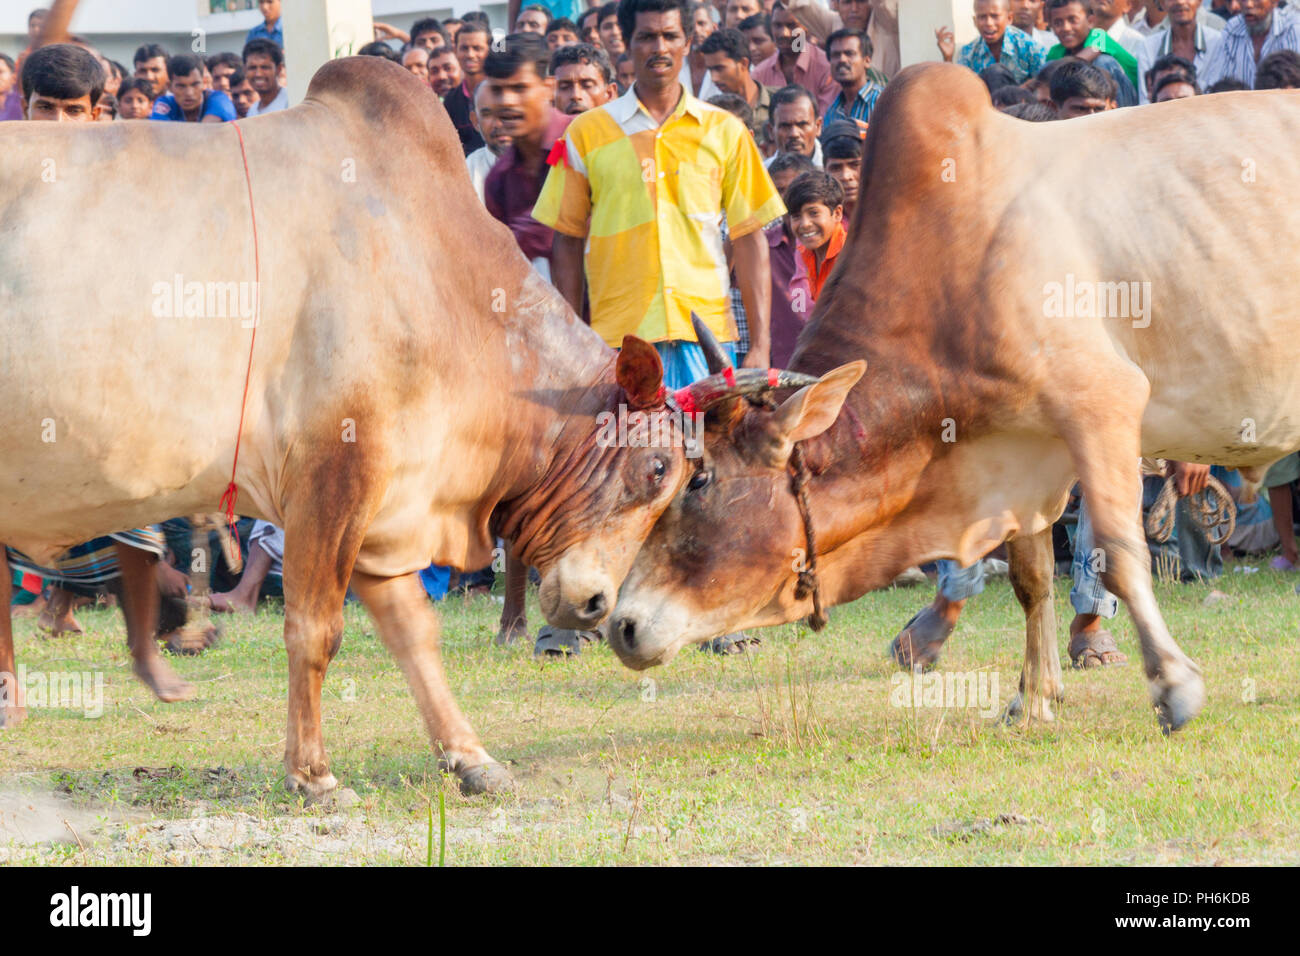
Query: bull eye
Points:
[699, 480]
[657, 469]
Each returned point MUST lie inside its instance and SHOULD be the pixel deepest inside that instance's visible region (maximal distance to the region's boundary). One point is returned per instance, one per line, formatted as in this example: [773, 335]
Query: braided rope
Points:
[808, 583]
[1213, 509]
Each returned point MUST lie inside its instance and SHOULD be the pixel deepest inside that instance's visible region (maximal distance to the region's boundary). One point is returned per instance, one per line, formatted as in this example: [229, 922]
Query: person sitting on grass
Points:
[815, 204]
[263, 573]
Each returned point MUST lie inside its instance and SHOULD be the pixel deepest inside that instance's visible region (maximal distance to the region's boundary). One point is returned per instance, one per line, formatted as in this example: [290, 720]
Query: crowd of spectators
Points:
[658, 158]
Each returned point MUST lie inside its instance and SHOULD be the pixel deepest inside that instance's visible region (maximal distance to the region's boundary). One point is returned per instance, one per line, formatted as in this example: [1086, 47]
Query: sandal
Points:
[1097, 648]
[737, 643]
[557, 642]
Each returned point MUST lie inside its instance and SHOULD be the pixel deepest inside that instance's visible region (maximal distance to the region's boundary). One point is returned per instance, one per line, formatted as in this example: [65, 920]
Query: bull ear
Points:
[811, 410]
[640, 372]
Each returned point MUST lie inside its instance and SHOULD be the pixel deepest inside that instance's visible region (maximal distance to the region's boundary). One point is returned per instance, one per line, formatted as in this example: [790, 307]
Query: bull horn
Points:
[707, 392]
[716, 358]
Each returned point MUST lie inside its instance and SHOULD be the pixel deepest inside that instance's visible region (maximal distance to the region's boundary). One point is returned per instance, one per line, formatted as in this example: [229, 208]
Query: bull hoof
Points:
[917, 646]
[490, 777]
[312, 790]
[12, 717]
[514, 631]
[1015, 712]
[1177, 704]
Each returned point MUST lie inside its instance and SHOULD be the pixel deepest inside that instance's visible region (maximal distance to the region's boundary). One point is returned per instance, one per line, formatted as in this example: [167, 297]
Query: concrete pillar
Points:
[316, 31]
[918, 19]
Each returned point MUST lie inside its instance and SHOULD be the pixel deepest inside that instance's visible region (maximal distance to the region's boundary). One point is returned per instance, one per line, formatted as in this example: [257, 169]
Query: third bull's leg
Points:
[514, 617]
[1031, 563]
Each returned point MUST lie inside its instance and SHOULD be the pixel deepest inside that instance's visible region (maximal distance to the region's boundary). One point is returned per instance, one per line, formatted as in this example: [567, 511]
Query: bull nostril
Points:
[593, 611]
[627, 632]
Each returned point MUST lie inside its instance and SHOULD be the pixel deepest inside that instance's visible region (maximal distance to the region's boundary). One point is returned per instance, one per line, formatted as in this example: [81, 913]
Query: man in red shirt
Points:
[521, 95]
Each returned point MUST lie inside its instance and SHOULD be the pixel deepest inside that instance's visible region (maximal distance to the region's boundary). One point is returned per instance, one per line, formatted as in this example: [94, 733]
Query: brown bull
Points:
[408, 398]
[985, 395]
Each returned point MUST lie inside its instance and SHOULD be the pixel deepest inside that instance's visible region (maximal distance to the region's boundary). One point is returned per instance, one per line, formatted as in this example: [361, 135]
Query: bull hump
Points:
[382, 94]
[930, 107]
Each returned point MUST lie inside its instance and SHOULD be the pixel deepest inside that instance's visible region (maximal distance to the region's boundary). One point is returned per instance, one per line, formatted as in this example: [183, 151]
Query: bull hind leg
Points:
[1102, 432]
[11, 711]
[1031, 562]
[409, 628]
[140, 600]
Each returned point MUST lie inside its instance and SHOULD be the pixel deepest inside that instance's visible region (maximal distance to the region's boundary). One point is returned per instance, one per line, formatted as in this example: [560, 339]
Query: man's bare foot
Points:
[165, 683]
[231, 602]
[28, 610]
[57, 617]
[1091, 645]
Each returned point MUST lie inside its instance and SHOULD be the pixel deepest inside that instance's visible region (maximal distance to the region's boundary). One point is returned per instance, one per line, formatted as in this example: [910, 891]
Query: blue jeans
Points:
[1088, 596]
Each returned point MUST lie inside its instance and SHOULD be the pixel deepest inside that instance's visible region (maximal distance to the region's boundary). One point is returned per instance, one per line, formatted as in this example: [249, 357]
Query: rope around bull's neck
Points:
[808, 583]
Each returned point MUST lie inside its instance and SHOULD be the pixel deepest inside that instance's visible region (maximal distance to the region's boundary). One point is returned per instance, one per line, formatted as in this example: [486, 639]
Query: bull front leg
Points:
[409, 628]
[1031, 564]
[11, 710]
[1102, 429]
[317, 564]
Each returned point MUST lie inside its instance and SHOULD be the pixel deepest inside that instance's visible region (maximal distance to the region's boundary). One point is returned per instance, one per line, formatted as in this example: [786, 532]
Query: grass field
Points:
[791, 755]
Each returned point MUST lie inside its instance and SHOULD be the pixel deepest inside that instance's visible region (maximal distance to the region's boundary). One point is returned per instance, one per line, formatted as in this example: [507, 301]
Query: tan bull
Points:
[415, 387]
[986, 393]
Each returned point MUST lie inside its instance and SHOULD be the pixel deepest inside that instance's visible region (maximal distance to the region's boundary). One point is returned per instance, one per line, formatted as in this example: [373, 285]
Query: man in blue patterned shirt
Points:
[849, 52]
[998, 42]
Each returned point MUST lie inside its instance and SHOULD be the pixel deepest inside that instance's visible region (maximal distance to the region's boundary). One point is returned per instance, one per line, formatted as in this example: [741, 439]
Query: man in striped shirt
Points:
[1183, 35]
[850, 55]
[1260, 29]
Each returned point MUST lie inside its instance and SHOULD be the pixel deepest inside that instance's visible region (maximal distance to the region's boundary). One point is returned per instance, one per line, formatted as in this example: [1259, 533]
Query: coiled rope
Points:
[1213, 509]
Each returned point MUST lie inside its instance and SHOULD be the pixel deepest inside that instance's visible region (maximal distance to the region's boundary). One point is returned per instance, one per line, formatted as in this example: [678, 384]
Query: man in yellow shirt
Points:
[648, 185]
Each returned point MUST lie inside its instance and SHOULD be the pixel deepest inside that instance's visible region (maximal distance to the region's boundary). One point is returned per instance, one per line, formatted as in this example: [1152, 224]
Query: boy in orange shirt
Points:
[816, 208]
